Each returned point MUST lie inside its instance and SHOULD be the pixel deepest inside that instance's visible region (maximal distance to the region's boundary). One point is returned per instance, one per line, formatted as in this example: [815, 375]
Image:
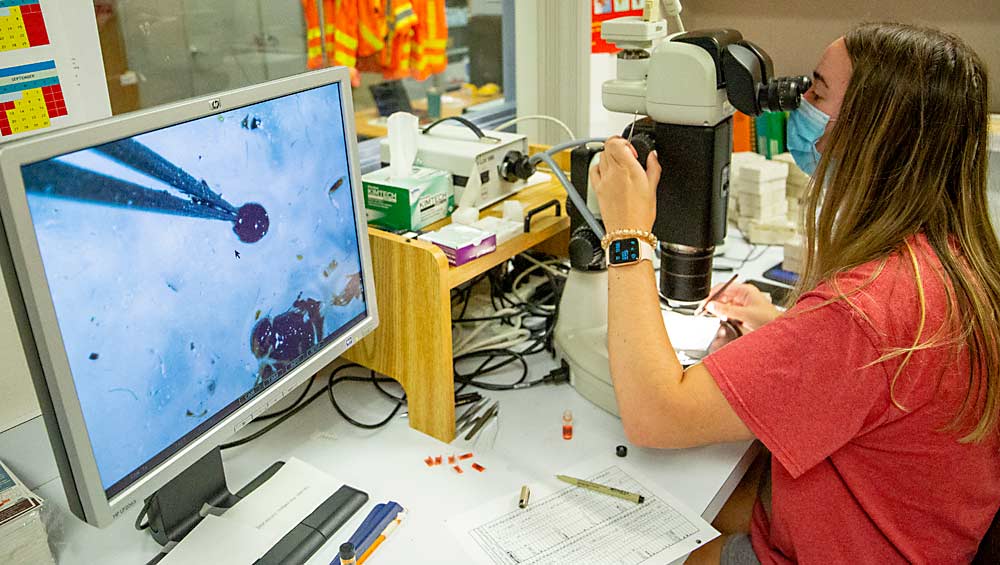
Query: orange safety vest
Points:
[371, 26]
[401, 23]
[428, 55]
[314, 35]
[341, 31]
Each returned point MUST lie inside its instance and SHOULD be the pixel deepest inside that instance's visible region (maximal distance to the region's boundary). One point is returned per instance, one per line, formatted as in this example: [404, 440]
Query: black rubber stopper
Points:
[621, 451]
[347, 551]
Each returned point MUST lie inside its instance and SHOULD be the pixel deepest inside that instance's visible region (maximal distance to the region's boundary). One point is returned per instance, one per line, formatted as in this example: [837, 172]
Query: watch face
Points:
[623, 251]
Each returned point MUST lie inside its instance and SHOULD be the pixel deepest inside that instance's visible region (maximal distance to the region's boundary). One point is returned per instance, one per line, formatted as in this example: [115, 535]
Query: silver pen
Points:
[482, 420]
[470, 411]
[471, 421]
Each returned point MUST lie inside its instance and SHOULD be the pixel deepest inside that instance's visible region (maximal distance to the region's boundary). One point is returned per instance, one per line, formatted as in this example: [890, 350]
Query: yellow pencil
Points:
[381, 538]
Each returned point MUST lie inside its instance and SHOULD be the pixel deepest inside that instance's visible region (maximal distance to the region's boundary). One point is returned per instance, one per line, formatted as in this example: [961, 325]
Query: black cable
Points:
[487, 318]
[465, 301]
[470, 379]
[287, 409]
[334, 380]
[142, 514]
[387, 393]
[277, 422]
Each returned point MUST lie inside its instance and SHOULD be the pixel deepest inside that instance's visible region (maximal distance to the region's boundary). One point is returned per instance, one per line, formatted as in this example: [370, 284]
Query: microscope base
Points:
[581, 337]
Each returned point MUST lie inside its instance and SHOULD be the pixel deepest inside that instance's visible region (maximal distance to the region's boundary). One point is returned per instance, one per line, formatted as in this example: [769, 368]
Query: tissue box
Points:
[408, 203]
[462, 244]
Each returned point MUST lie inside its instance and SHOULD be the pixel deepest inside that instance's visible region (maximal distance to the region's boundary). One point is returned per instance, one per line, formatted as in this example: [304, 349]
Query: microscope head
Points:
[689, 86]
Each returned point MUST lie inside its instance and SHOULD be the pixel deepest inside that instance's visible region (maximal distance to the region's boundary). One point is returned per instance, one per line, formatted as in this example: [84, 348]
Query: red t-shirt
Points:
[855, 479]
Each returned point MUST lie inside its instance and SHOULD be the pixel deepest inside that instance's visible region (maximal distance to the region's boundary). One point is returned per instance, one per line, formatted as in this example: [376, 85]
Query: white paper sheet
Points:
[566, 524]
[248, 530]
[67, 56]
[690, 332]
[220, 542]
[284, 500]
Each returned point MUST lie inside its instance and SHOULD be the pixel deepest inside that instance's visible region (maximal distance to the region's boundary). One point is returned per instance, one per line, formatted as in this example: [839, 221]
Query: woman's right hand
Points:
[745, 303]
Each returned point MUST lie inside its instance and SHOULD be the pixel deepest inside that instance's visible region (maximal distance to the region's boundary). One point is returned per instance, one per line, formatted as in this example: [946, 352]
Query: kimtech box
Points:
[408, 203]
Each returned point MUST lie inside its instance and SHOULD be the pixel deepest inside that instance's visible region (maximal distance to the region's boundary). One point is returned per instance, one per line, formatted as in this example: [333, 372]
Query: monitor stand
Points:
[175, 509]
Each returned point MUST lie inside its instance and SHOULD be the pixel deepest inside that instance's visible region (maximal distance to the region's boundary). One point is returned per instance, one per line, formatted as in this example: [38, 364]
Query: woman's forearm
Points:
[644, 368]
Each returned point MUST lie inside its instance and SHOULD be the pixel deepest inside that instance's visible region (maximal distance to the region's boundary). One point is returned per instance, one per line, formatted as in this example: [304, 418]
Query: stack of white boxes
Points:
[795, 254]
[762, 205]
[795, 190]
[738, 160]
[795, 187]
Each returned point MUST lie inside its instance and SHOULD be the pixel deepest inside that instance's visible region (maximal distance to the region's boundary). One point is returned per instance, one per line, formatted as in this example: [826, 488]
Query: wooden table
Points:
[413, 283]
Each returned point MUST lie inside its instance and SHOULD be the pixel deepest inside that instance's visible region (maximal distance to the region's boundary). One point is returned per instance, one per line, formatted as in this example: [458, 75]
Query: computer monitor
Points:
[175, 272]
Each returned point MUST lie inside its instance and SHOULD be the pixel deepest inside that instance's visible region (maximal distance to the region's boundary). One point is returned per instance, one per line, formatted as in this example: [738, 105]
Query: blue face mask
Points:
[805, 126]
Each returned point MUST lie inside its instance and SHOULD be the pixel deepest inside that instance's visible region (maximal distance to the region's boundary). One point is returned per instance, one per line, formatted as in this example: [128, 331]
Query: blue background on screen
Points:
[157, 312]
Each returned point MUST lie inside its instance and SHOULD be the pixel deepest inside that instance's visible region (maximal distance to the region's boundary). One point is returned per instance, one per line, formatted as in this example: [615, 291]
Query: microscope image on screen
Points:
[196, 264]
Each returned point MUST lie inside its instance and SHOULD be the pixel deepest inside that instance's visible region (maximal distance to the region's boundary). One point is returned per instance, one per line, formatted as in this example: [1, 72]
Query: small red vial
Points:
[567, 424]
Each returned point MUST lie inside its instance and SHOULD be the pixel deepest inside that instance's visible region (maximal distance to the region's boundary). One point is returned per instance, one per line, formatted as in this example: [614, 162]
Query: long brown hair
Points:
[908, 155]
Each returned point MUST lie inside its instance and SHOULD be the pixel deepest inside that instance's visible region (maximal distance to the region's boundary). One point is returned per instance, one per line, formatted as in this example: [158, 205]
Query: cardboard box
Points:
[462, 244]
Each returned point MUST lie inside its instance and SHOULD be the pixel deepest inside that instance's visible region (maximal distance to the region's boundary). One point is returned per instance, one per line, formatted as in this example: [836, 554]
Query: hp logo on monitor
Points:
[216, 104]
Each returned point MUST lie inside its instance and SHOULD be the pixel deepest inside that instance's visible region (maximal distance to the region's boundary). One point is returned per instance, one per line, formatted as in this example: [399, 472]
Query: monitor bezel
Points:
[35, 314]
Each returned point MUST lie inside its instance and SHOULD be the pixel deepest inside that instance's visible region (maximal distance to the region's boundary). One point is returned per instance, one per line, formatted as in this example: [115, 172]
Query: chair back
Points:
[989, 548]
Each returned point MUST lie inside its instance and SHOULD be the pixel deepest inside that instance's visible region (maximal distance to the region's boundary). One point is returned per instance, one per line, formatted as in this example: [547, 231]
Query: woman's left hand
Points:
[627, 193]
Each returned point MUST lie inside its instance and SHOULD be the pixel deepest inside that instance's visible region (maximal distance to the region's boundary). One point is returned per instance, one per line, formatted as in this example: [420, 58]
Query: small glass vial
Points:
[567, 424]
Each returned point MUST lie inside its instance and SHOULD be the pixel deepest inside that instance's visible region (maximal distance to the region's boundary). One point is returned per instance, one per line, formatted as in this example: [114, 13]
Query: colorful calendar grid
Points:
[30, 97]
[21, 25]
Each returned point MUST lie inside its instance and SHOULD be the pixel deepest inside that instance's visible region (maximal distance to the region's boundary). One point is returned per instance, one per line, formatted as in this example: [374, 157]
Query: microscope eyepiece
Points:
[782, 93]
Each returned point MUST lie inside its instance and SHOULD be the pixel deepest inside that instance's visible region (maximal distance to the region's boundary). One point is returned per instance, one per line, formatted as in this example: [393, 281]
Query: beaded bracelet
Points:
[620, 234]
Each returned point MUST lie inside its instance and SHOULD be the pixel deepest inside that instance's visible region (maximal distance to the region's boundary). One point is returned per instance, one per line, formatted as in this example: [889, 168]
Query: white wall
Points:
[17, 396]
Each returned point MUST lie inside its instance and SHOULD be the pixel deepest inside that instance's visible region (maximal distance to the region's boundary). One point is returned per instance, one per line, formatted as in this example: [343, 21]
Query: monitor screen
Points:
[390, 97]
[193, 266]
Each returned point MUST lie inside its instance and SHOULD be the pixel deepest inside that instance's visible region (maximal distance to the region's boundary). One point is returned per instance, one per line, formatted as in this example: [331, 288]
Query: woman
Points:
[877, 392]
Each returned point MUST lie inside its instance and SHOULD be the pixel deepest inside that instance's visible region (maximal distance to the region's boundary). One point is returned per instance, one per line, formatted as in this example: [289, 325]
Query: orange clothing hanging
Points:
[371, 26]
[400, 24]
[428, 54]
[341, 31]
[314, 35]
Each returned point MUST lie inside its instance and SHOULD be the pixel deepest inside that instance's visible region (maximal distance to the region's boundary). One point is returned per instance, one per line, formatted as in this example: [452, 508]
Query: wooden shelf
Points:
[413, 282]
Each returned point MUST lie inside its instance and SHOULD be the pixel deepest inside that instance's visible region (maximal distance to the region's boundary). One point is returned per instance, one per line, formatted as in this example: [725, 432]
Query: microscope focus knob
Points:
[585, 251]
[644, 144]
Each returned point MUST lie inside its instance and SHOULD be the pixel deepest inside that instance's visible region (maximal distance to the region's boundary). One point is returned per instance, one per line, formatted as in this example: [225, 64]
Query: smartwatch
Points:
[628, 251]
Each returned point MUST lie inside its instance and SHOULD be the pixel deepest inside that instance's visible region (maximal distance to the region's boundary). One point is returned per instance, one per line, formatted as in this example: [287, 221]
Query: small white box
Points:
[775, 186]
[770, 233]
[764, 171]
[762, 205]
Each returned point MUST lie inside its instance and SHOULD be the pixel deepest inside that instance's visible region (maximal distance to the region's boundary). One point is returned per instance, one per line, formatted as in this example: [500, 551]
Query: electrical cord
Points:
[556, 121]
[532, 312]
[289, 408]
[328, 389]
[334, 380]
[277, 422]
[142, 514]
[389, 394]
[556, 376]
[516, 314]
